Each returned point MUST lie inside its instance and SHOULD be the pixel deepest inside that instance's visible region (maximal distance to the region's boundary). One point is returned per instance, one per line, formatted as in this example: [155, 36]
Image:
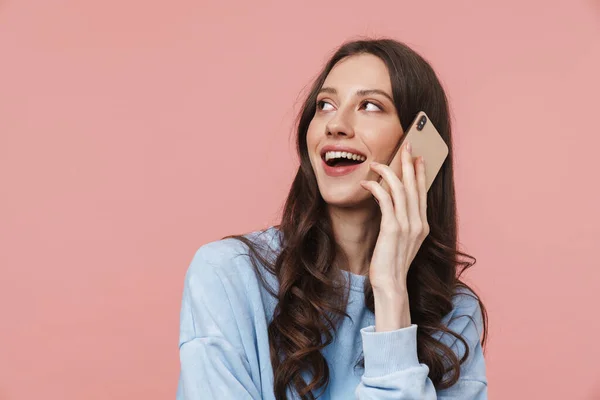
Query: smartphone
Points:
[426, 142]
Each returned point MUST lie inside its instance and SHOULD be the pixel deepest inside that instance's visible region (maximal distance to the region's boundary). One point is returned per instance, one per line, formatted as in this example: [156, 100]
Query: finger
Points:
[395, 165]
[422, 187]
[396, 190]
[410, 186]
[388, 218]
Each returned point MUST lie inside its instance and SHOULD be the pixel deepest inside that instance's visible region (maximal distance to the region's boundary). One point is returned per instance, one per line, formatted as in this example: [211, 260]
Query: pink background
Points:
[132, 132]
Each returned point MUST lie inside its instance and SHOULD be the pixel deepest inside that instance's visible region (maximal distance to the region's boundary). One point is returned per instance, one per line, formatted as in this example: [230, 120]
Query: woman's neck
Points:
[355, 231]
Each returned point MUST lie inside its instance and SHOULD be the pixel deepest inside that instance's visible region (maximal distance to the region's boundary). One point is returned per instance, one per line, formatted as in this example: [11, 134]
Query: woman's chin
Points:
[347, 198]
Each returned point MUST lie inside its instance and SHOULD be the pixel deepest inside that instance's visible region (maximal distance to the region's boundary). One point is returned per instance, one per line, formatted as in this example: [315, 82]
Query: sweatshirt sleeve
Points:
[214, 364]
[392, 369]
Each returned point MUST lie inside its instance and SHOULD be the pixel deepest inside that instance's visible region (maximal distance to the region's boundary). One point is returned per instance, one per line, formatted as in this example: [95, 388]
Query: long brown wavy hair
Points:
[311, 297]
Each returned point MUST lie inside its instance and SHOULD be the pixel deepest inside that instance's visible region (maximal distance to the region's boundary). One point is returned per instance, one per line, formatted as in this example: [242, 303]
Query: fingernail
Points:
[409, 147]
[373, 163]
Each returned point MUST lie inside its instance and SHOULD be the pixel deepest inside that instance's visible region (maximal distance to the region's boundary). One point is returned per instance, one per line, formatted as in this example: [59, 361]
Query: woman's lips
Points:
[340, 171]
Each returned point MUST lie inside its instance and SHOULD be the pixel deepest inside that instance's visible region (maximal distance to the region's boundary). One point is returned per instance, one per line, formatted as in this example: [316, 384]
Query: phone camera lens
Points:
[421, 123]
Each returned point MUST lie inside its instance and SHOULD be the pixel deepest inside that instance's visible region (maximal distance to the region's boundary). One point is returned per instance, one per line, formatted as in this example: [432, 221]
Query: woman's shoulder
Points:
[465, 302]
[221, 292]
[465, 318]
[229, 257]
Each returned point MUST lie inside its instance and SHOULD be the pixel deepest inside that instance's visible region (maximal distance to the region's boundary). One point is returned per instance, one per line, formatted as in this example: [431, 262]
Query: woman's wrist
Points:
[392, 309]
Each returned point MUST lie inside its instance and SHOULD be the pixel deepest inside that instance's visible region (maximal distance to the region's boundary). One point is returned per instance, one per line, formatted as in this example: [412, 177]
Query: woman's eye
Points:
[323, 105]
[371, 106]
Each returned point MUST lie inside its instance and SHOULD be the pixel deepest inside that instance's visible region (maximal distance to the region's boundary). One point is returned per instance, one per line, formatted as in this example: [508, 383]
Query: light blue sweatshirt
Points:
[224, 346]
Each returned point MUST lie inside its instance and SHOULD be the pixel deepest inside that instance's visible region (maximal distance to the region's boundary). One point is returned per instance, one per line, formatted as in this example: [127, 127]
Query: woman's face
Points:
[355, 114]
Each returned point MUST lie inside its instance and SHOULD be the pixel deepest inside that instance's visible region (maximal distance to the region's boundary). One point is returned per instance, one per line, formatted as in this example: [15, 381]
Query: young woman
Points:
[348, 297]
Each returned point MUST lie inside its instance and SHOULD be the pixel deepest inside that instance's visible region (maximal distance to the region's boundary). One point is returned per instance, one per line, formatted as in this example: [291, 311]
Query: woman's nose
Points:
[340, 125]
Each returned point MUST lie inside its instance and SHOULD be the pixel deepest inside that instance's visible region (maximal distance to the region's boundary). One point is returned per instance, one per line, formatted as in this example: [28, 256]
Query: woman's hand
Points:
[403, 229]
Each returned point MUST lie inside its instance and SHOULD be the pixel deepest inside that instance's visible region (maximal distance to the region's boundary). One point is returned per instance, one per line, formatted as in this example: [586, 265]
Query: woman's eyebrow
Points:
[368, 92]
[360, 92]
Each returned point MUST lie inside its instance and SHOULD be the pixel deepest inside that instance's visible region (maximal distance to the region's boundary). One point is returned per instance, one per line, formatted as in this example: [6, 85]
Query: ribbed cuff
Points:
[389, 352]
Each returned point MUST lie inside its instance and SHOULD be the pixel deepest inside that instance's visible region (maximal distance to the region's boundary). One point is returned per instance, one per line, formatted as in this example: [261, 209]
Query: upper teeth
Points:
[343, 154]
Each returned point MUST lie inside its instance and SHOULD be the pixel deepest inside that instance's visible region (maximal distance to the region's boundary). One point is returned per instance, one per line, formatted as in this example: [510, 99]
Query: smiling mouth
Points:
[342, 159]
